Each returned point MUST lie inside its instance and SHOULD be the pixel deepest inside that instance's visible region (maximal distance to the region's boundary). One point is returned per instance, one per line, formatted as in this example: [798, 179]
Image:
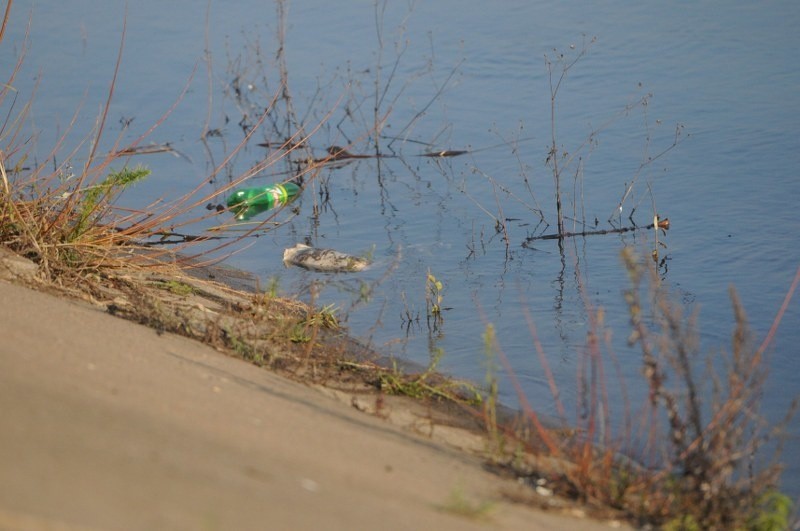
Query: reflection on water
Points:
[476, 88]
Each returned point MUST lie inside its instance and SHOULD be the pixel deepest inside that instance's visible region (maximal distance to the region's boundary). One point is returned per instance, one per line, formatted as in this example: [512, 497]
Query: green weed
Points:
[496, 440]
[178, 288]
[772, 512]
[429, 383]
[458, 503]
[324, 317]
[95, 196]
[272, 287]
[434, 296]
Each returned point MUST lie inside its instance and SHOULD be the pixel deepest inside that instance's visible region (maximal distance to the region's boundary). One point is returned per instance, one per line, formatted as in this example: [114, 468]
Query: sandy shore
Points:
[106, 424]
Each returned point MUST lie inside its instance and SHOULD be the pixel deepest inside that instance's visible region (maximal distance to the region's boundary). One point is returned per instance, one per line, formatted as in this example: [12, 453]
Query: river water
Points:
[694, 107]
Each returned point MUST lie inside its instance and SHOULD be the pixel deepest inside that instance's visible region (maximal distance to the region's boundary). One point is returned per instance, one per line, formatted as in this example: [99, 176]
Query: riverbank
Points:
[108, 424]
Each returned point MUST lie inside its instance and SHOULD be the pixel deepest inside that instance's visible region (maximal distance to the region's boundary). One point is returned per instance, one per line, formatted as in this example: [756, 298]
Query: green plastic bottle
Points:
[248, 202]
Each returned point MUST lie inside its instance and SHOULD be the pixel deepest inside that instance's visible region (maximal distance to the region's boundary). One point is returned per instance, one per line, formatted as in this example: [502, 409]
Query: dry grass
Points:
[712, 474]
[693, 453]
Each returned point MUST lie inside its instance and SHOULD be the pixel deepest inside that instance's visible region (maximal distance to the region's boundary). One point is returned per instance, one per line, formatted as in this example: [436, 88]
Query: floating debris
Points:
[288, 145]
[145, 150]
[446, 153]
[340, 153]
[248, 202]
[328, 260]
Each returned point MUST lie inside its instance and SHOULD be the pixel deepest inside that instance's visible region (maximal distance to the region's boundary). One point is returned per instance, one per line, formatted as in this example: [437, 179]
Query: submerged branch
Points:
[662, 224]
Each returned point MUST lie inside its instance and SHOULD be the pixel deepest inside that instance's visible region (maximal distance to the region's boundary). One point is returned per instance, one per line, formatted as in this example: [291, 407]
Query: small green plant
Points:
[772, 512]
[458, 503]
[684, 522]
[262, 299]
[299, 334]
[178, 288]
[490, 404]
[95, 196]
[364, 292]
[415, 386]
[325, 318]
[305, 330]
[272, 287]
[244, 349]
[369, 256]
[429, 383]
[433, 296]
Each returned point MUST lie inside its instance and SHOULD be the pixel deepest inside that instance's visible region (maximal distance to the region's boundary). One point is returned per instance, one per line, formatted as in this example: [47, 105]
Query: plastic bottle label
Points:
[279, 195]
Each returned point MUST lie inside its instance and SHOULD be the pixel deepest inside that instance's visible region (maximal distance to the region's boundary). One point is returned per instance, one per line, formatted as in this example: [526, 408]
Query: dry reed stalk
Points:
[708, 465]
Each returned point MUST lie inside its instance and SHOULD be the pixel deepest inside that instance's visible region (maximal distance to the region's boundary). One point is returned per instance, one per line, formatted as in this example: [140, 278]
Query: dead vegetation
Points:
[694, 452]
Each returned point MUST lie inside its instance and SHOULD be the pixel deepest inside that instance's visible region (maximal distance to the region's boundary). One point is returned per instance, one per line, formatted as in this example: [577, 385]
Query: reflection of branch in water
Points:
[340, 153]
[446, 153]
[454, 152]
[287, 144]
[662, 224]
[174, 238]
[440, 90]
[648, 160]
[150, 149]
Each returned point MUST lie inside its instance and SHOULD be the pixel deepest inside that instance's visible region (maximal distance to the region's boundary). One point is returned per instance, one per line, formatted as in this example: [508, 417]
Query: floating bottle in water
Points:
[249, 202]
